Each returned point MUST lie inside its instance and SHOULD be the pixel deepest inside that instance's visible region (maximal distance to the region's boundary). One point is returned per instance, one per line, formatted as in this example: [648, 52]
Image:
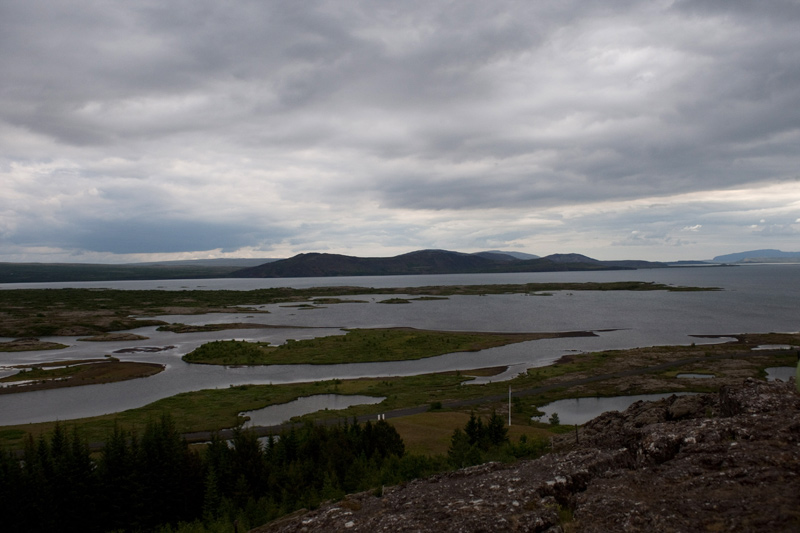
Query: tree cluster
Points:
[157, 482]
[479, 442]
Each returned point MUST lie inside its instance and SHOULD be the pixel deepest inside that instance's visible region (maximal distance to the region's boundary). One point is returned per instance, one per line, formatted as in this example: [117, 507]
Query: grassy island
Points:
[57, 375]
[360, 346]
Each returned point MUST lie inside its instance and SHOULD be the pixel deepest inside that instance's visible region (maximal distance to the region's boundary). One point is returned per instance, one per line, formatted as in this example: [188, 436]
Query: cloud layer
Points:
[624, 129]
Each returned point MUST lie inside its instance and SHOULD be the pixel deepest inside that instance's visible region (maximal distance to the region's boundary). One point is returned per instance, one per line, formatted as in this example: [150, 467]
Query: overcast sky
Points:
[153, 130]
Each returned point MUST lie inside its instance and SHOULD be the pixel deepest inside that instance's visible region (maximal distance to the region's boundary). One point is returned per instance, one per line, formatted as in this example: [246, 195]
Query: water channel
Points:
[754, 299]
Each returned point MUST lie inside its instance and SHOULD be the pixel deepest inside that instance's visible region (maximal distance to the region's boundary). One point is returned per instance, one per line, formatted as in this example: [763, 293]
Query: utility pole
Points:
[509, 406]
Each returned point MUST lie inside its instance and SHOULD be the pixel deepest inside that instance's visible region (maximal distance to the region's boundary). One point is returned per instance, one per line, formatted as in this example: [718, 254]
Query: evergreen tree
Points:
[11, 481]
[459, 449]
[118, 481]
[496, 430]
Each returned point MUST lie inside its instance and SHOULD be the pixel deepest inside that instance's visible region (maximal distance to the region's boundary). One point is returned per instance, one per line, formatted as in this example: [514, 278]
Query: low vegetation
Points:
[29, 345]
[230, 352]
[609, 373]
[199, 328]
[358, 346]
[76, 373]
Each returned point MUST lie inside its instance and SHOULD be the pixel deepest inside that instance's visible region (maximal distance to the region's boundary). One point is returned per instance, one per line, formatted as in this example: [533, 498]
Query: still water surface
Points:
[581, 410]
[274, 415]
[755, 299]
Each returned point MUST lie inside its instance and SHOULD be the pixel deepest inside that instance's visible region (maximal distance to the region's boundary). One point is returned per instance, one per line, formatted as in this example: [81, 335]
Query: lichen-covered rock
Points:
[723, 462]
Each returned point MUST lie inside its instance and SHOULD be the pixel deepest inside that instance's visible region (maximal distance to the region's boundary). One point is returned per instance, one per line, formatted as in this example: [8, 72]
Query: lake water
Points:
[580, 410]
[755, 299]
[274, 415]
[783, 373]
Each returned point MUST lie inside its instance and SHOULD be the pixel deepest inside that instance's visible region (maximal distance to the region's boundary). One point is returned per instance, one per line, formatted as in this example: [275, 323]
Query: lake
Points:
[578, 411]
[755, 299]
[274, 415]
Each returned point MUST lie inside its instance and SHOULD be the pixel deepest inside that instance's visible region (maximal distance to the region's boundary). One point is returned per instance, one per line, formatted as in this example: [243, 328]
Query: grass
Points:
[216, 409]
[356, 346]
[429, 433]
[230, 352]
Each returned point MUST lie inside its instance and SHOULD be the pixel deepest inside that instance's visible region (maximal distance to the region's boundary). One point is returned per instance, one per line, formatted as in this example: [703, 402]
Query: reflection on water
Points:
[581, 410]
[274, 415]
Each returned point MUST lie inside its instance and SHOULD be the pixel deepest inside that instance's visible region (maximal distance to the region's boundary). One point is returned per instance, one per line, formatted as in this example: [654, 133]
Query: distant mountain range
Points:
[430, 262]
[315, 265]
[759, 256]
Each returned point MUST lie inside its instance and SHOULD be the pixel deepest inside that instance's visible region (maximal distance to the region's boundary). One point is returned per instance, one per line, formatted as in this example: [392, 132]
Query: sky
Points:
[193, 129]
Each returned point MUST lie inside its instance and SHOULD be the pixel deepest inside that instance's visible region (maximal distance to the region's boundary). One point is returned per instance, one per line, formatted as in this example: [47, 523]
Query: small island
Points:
[60, 374]
[361, 346]
[29, 344]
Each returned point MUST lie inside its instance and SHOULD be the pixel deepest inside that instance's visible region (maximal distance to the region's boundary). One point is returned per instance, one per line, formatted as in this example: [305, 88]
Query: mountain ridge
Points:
[316, 264]
[768, 255]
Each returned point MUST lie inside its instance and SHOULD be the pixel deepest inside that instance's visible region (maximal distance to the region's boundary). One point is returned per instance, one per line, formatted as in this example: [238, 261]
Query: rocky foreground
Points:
[721, 462]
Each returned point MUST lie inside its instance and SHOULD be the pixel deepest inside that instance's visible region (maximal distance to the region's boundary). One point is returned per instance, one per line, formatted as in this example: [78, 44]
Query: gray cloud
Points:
[365, 128]
[134, 236]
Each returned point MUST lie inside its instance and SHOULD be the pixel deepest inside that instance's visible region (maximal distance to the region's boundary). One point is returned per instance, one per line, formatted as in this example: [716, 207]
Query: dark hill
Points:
[516, 255]
[496, 256]
[321, 265]
[571, 258]
[428, 262]
[765, 256]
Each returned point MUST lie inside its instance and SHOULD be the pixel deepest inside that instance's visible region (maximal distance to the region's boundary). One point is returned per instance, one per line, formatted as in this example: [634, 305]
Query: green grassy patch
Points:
[230, 352]
[216, 409]
[357, 346]
[11, 436]
[430, 433]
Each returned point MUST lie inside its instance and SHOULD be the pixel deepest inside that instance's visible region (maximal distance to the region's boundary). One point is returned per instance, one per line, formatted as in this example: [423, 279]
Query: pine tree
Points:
[496, 430]
[459, 449]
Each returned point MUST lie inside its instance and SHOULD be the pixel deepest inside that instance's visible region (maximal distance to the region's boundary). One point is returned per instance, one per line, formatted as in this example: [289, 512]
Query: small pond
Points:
[774, 347]
[782, 373]
[274, 415]
[694, 376]
[581, 410]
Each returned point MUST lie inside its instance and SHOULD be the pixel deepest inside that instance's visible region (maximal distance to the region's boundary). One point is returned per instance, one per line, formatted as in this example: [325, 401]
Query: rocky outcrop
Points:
[723, 462]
